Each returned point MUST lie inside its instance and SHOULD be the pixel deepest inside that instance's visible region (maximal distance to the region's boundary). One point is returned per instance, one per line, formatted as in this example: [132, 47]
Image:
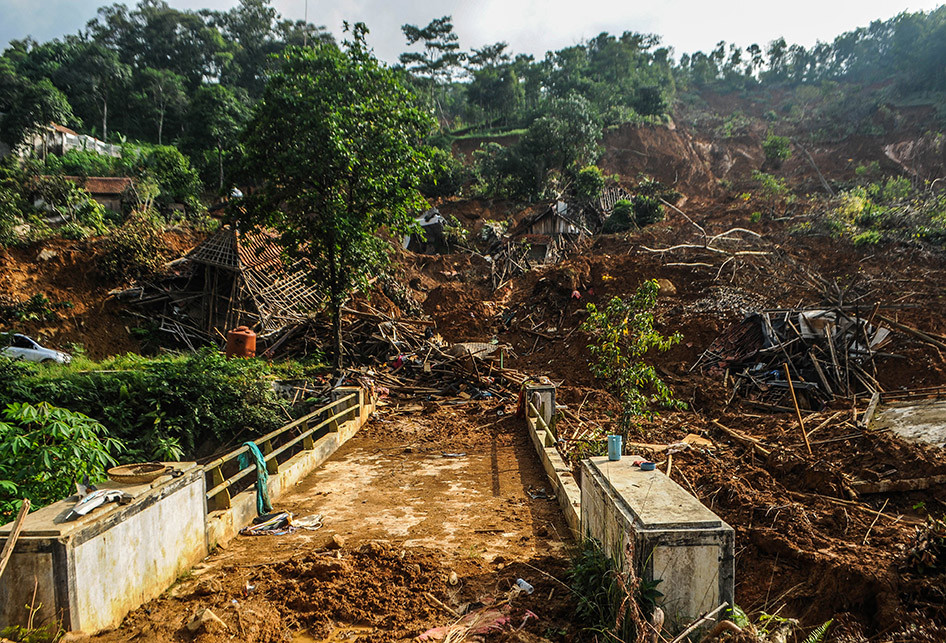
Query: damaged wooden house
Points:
[231, 279]
[549, 232]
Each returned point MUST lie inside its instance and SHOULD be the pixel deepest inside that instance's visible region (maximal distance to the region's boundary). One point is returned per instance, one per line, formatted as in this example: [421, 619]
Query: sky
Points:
[529, 26]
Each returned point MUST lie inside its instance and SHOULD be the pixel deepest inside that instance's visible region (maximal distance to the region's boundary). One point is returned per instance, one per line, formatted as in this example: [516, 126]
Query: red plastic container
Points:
[241, 342]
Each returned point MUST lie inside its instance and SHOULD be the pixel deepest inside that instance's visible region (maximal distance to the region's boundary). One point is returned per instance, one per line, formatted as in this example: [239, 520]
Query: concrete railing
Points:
[540, 410]
[322, 432]
[218, 497]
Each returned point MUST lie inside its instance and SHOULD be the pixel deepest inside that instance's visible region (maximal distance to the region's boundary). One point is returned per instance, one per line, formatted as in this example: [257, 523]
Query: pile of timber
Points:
[813, 354]
[404, 357]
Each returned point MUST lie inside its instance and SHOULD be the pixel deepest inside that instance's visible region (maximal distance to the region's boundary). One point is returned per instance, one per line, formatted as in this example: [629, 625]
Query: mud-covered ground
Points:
[425, 511]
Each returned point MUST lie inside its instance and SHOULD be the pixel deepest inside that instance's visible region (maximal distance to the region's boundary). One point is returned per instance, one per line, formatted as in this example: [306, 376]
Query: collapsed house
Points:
[549, 232]
[829, 353]
[432, 237]
[231, 279]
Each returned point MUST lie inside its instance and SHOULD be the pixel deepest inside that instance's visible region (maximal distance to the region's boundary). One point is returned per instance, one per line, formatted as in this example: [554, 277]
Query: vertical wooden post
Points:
[272, 467]
[222, 499]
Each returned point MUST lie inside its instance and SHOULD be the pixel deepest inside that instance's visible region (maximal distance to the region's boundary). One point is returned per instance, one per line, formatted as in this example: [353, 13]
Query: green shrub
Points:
[866, 238]
[622, 334]
[134, 250]
[589, 182]
[647, 209]
[896, 188]
[771, 186]
[622, 218]
[605, 594]
[168, 407]
[448, 175]
[777, 149]
[44, 449]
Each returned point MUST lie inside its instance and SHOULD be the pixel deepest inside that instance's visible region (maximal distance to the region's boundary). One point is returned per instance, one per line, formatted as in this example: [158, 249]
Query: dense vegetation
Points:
[163, 408]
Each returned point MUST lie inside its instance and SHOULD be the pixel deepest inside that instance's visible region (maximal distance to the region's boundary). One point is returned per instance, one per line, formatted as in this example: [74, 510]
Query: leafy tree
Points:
[217, 116]
[589, 182]
[441, 56]
[176, 179]
[92, 76]
[623, 333]
[162, 91]
[334, 148]
[45, 449]
[28, 106]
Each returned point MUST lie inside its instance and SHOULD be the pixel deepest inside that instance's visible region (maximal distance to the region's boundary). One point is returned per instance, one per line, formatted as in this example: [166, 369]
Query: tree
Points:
[623, 333]
[28, 107]
[334, 148]
[441, 55]
[95, 72]
[163, 91]
[216, 118]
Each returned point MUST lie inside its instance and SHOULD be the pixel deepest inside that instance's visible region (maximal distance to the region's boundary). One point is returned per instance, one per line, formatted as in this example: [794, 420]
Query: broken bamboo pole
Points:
[801, 421]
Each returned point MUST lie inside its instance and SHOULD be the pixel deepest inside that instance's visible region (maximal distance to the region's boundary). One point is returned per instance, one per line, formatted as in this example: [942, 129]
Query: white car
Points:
[17, 346]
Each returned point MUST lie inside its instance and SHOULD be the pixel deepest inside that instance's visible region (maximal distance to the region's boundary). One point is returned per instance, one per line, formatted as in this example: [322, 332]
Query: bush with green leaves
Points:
[162, 409]
[647, 209]
[622, 334]
[177, 180]
[449, 175]
[777, 149]
[610, 601]
[134, 250]
[44, 449]
[771, 186]
[622, 218]
[589, 183]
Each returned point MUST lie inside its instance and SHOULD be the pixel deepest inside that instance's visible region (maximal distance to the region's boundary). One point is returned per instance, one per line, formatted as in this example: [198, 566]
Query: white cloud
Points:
[530, 26]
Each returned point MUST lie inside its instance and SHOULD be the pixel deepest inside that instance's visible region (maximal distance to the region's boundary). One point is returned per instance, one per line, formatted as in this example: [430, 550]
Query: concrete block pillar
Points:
[542, 396]
[356, 404]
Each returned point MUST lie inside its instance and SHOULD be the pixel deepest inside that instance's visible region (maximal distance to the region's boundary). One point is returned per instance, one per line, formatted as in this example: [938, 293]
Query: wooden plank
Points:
[891, 486]
[14, 534]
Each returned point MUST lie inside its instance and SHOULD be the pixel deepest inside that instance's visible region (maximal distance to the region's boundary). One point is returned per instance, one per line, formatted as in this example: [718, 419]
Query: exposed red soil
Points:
[65, 272]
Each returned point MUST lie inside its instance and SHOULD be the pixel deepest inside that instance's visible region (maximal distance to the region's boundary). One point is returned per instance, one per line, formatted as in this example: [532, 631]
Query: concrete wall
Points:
[91, 571]
[560, 475]
[646, 519]
[88, 573]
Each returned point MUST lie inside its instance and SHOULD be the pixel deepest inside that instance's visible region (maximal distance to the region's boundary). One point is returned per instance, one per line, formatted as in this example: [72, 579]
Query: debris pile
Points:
[828, 353]
[231, 279]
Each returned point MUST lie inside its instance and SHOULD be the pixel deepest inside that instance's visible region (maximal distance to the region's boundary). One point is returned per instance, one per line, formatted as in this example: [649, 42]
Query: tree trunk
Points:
[220, 163]
[105, 119]
[160, 126]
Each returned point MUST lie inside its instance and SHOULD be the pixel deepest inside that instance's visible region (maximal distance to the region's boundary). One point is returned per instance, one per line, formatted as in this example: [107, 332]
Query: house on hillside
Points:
[110, 191]
[58, 139]
[548, 232]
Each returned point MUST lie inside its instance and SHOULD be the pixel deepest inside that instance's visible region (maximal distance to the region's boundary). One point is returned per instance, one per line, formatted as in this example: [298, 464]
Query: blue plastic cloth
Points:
[263, 505]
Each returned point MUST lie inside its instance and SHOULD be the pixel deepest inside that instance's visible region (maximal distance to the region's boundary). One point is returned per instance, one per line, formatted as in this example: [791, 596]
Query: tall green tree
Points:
[334, 147]
[91, 77]
[217, 117]
[28, 106]
[162, 91]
